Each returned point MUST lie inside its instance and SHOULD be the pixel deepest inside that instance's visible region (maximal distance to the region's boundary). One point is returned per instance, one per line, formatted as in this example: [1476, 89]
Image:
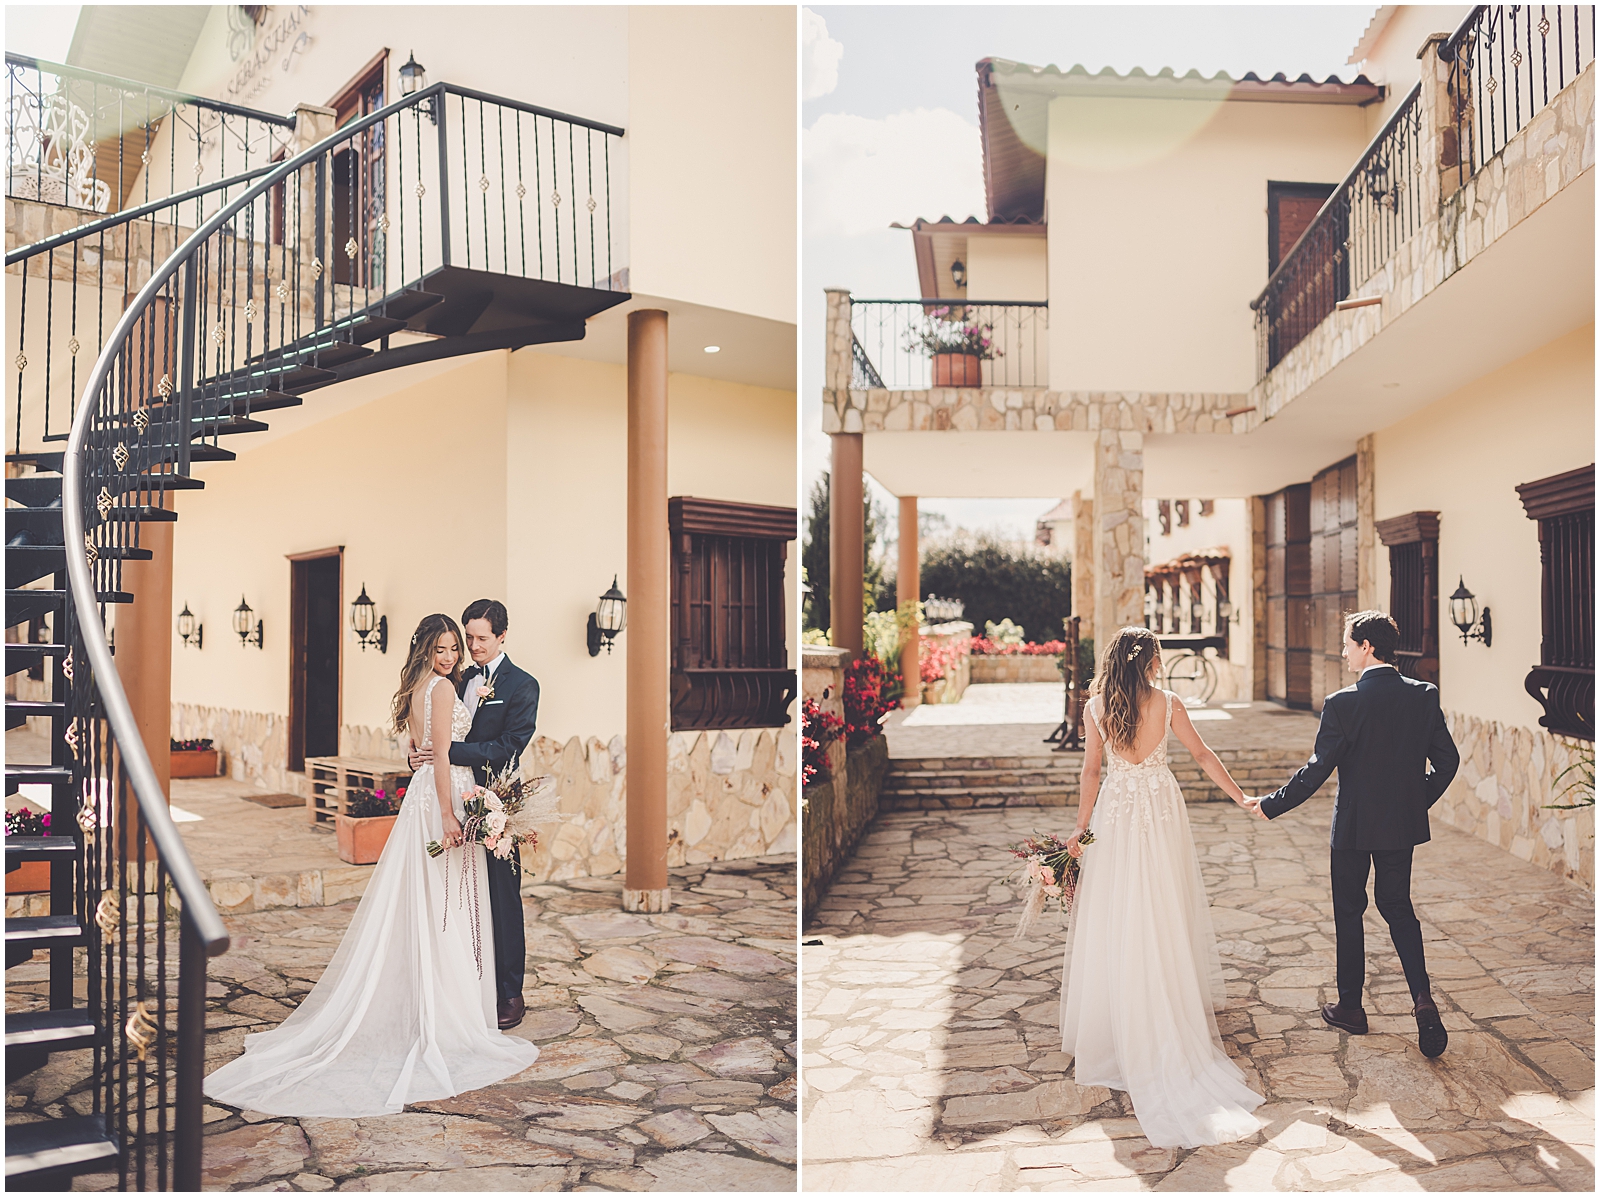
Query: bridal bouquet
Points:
[502, 814]
[1049, 873]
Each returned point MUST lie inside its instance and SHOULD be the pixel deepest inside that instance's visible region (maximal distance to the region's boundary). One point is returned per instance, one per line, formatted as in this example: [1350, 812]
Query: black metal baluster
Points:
[466, 189]
[21, 358]
[444, 179]
[611, 271]
[572, 179]
[320, 255]
[555, 196]
[505, 224]
[522, 206]
[538, 195]
[483, 179]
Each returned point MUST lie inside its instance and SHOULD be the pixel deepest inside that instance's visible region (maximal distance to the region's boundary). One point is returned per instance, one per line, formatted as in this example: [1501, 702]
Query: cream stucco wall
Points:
[1166, 200]
[567, 493]
[712, 130]
[1463, 457]
[1007, 267]
[1227, 527]
[1392, 58]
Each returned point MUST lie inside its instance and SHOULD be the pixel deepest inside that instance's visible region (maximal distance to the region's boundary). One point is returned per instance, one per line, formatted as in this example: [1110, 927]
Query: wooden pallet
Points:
[333, 779]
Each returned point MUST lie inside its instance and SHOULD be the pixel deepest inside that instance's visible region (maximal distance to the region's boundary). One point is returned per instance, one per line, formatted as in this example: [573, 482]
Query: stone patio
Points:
[931, 1048]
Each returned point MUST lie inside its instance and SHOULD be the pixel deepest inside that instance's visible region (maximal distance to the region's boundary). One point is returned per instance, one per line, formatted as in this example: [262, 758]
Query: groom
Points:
[504, 702]
[1381, 734]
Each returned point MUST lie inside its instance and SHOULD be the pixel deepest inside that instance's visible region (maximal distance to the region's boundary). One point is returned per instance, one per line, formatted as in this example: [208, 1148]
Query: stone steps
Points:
[978, 783]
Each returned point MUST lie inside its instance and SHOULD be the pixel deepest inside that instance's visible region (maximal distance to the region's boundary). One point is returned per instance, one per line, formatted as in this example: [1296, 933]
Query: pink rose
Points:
[484, 691]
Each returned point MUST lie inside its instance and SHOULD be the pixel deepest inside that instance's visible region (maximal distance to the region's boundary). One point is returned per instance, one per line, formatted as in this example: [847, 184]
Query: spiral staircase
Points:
[248, 315]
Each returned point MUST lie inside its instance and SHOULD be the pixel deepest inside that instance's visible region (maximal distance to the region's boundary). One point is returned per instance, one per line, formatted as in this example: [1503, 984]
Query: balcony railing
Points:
[914, 344]
[97, 142]
[1506, 63]
[1367, 218]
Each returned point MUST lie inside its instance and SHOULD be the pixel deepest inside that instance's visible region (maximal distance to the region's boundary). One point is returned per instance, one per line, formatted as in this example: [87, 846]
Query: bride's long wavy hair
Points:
[419, 664]
[1127, 666]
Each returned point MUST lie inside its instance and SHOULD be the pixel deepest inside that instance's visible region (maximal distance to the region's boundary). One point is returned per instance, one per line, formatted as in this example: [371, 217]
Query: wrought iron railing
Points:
[450, 177]
[1506, 63]
[281, 281]
[97, 142]
[914, 344]
[1360, 226]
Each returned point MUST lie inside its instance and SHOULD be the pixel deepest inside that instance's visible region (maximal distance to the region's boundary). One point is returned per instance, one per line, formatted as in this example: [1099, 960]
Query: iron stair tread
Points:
[53, 1030]
[375, 328]
[406, 305]
[26, 656]
[54, 461]
[20, 553]
[43, 930]
[36, 775]
[40, 521]
[24, 604]
[21, 848]
[35, 490]
[71, 1144]
[29, 706]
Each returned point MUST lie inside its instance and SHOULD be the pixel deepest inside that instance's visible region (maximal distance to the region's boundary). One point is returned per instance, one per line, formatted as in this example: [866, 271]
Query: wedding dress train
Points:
[405, 1011]
[1141, 977]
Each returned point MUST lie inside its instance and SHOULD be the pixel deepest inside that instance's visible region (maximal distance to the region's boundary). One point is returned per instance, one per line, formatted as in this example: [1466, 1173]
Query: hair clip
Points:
[1137, 648]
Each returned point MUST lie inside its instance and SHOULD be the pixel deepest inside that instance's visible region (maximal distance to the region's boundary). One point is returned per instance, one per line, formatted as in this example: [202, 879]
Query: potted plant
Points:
[956, 345]
[33, 876]
[193, 758]
[363, 827]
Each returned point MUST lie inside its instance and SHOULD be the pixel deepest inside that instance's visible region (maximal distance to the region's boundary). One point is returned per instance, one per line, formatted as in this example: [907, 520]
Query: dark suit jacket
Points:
[1380, 734]
[502, 726]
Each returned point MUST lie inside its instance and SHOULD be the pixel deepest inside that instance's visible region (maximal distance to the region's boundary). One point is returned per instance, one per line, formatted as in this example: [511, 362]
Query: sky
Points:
[889, 119]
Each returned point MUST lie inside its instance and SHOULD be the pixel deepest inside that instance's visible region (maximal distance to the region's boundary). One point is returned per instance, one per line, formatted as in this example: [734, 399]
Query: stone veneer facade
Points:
[730, 794]
[1507, 776]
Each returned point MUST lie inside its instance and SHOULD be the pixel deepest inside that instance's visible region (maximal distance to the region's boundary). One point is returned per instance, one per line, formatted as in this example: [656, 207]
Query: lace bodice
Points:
[1115, 763]
[460, 717]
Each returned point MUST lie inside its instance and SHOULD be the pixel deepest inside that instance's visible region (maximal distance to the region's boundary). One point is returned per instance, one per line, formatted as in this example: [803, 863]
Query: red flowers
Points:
[864, 702]
[818, 729]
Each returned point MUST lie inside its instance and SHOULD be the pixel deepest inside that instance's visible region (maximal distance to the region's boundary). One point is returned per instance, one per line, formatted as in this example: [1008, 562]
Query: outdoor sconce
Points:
[241, 624]
[413, 78]
[1464, 614]
[958, 272]
[188, 630]
[370, 627]
[609, 618]
[1225, 612]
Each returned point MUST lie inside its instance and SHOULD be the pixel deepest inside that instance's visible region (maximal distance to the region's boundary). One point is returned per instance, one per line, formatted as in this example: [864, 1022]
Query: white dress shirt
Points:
[1364, 672]
[486, 678]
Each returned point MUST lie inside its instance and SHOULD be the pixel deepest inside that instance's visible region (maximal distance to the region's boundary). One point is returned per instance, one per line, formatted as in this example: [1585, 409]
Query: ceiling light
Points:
[1389, 386]
[713, 348]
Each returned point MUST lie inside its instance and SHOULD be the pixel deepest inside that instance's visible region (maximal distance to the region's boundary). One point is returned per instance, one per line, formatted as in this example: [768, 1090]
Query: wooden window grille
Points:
[1563, 681]
[1413, 544]
[730, 653]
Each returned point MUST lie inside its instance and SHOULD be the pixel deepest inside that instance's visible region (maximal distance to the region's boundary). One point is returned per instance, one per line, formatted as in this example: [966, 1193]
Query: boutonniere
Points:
[486, 692]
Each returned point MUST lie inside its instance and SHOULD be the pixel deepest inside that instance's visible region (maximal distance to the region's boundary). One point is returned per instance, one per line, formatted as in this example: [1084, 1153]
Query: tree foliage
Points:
[814, 557]
[998, 581]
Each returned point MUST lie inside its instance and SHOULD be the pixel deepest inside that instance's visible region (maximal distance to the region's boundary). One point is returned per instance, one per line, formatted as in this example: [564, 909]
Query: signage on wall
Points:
[280, 36]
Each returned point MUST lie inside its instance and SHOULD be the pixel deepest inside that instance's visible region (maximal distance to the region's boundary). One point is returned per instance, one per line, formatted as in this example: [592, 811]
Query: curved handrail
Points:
[198, 908]
[59, 69]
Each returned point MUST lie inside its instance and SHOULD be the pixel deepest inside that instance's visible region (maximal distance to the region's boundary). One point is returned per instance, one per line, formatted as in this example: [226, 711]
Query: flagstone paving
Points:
[931, 1050]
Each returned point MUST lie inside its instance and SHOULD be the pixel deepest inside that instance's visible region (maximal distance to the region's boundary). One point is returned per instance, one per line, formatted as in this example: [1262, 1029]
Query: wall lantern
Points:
[1464, 614]
[958, 272]
[370, 627]
[190, 631]
[1225, 611]
[414, 78]
[609, 618]
[241, 624]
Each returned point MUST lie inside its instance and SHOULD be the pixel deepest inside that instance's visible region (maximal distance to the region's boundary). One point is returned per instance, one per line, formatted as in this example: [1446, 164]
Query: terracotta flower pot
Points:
[32, 878]
[361, 841]
[957, 370]
[198, 762]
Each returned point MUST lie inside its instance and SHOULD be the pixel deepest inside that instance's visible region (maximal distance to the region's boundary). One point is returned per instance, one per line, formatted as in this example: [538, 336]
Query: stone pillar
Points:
[1442, 144]
[312, 123]
[645, 887]
[1366, 534]
[908, 589]
[846, 536]
[1083, 556]
[1258, 598]
[1119, 521]
[840, 364]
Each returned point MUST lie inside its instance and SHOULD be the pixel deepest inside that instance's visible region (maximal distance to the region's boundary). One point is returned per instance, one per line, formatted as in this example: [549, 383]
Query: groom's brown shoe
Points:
[1432, 1038]
[1344, 1018]
[510, 1012]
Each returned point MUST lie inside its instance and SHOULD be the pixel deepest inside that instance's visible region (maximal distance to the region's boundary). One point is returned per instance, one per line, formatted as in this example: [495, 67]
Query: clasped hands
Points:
[1253, 805]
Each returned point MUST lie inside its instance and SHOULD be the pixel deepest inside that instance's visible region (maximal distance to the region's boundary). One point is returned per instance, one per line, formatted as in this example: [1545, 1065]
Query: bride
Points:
[405, 1011]
[1142, 978]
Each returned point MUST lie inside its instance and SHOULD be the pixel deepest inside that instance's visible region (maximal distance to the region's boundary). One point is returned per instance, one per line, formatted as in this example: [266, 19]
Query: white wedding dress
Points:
[403, 1012]
[1142, 978]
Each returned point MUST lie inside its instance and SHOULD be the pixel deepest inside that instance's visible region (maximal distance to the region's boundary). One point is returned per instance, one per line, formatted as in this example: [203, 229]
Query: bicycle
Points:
[1191, 676]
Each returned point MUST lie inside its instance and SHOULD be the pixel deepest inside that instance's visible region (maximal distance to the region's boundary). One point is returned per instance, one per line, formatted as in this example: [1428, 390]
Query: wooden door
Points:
[356, 182]
[1291, 207]
[1333, 574]
[1289, 596]
[315, 661]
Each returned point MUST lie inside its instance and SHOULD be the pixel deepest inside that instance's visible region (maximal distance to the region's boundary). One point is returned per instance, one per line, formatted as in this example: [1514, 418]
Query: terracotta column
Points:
[847, 552]
[645, 887]
[908, 590]
[1083, 561]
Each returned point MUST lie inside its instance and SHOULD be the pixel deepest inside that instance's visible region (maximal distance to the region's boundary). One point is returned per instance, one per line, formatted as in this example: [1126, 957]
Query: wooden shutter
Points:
[1563, 681]
[730, 655]
[1413, 544]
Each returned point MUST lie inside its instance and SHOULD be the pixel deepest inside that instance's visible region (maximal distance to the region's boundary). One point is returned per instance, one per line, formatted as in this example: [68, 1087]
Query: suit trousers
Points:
[505, 912]
[1391, 889]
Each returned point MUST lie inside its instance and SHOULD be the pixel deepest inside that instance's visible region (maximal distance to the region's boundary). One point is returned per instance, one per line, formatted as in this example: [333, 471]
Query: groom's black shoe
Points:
[510, 1012]
[1432, 1038]
[1344, 1018]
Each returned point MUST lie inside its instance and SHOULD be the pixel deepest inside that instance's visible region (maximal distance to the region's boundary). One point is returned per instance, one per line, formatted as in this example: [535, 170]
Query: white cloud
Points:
[821, 55]
[861, 174]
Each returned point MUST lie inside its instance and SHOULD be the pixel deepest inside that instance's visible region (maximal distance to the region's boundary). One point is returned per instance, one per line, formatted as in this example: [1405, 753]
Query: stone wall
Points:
[954, 683]
[730, 794]
[1507, 777]
[987, 670]
[837, 813]
[822, 681]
